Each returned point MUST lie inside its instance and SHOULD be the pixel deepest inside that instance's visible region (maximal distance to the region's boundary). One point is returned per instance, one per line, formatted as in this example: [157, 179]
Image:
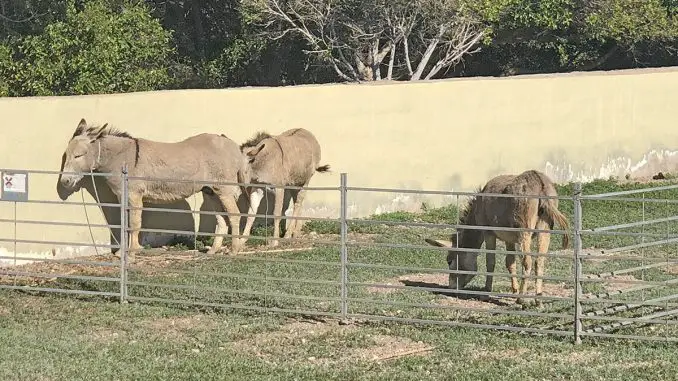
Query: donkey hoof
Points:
[212, 250]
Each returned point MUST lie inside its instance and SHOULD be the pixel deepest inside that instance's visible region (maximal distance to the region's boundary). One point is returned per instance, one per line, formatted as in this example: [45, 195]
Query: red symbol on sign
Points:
[8, 182]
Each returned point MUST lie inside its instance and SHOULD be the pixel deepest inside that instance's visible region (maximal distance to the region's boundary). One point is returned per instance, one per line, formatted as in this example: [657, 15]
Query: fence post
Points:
[124, 213]
[344, 251]
[577, 262]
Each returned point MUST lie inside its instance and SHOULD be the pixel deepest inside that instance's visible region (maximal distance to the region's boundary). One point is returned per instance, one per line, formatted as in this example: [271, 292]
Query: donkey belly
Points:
[170, 192]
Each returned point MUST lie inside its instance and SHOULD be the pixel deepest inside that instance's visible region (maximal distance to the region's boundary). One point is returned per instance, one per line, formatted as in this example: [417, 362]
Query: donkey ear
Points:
[97, 132]
[438, 242]
[256, 151]
[81, 129]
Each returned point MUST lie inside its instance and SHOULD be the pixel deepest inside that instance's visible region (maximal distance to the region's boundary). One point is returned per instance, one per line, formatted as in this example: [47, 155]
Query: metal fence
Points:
[618, 280]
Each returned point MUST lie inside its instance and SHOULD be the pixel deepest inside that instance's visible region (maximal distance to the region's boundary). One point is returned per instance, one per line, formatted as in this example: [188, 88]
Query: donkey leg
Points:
[231, 206]
[543, 241]
[490, 244]
[525, 247]
[255, 200]
[277, 214]
[219, 230]
[134, 202]
[290, 223]
[511, 266]
[295, 230]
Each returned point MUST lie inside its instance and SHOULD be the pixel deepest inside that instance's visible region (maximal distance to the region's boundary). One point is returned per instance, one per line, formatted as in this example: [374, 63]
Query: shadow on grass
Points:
[456, 294]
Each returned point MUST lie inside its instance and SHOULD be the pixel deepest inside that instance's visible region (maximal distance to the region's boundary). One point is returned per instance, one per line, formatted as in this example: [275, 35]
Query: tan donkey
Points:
[288, 159]
[203, 157]
[526, 213]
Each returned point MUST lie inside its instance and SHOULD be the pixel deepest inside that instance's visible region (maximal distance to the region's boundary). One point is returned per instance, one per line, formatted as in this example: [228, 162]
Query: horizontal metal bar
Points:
[74, 203]
[636, 199]
[462, 291]
[63, 261]
[452, 323]
[61, 243]
[227, 183]
[623, 281]
[455, 226]
[632, 289]
[460, 308]
[279, 260]
[629, 322]
[453, 193]
[592, 257]
[637, 223]
[59, 290]
[448, 271]
[616, 233]
[210, 213]
[630, 270]
[459, 249]
[641, 245]
[230, 291]
[57, 223]
[234, 306]
[42, 172]
[628, 192]
[207, 234]
[628, 306]
[238, 276]
[63, 276]
[629, 337]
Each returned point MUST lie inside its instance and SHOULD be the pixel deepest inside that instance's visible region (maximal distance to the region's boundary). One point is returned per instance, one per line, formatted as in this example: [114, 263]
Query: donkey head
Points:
[81, 154]
[457, 261]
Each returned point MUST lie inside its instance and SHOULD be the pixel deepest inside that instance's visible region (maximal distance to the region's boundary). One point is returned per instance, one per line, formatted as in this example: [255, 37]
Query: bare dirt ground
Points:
[302, 336]
[441, 281]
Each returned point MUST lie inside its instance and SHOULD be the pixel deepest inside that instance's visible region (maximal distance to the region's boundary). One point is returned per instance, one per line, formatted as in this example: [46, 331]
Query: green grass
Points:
[53, 336]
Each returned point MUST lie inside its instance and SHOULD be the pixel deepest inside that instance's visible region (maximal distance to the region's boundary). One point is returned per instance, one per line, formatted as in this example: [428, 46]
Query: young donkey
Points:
[288, 159]
[526, 213]
[203, 157]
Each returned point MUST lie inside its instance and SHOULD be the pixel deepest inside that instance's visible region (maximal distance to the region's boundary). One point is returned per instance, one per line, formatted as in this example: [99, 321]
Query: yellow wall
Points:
[450, 134]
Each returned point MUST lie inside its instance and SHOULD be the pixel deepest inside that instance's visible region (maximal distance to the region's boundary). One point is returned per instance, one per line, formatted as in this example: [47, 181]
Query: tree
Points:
[530, 36]
[107, 47]
[355, 37]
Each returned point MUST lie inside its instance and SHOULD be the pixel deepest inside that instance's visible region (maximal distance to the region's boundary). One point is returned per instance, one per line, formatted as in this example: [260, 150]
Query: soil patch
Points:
[385, 347]
[102, 336]
[441, 281]
[271, 346]
[177, 327]
[611, 285]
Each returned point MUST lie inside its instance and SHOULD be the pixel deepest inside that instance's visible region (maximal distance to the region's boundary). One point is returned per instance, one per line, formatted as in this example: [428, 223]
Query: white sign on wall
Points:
[14, 186]
[14, 183]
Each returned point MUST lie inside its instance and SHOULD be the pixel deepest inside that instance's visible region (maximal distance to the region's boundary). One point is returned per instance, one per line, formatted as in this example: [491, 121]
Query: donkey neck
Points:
[470, 238]
[113, 152]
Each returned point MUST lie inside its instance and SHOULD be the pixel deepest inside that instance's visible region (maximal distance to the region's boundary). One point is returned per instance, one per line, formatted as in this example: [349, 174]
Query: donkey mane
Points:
[253, 142]
[111, 131]
[465, 212]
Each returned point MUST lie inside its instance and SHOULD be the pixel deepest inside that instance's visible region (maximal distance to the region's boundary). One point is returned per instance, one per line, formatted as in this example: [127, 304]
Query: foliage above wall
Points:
[60, 47]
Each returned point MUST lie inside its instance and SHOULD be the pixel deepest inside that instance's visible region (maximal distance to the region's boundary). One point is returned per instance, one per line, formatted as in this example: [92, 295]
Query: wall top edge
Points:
[572, 74]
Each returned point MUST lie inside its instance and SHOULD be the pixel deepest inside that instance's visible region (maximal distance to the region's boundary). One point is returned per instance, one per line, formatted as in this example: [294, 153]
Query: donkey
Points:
[203, 157]
[288, 159]
[526, 213]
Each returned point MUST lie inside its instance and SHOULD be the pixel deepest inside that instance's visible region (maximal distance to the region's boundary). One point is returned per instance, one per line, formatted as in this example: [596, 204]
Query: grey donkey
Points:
[203, 157]
[518, 212]
[288, 159]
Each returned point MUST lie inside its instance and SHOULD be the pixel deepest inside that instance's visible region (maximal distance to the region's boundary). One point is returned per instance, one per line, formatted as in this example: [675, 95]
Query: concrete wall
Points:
[451, 134]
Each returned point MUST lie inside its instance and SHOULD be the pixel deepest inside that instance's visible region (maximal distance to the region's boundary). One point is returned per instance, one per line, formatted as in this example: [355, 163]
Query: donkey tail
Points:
[555, 215]
[323, 168]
